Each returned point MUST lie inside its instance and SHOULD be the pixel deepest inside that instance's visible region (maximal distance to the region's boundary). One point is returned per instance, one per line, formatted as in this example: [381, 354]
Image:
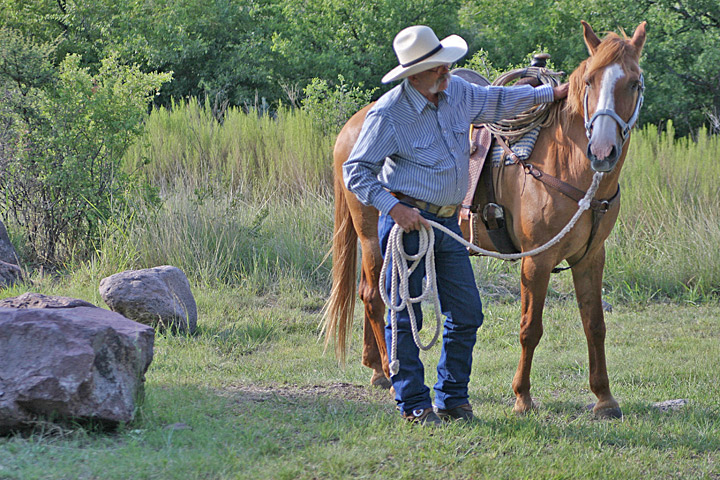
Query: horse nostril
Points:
[613, 153]
[590, 155]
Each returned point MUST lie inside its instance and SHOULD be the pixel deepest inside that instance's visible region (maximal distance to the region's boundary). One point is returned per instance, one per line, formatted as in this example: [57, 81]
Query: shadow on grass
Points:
[693, 427]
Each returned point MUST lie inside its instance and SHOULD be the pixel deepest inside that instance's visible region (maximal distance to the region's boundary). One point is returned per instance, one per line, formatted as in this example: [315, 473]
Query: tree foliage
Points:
[239, 50]
[64, 131]
[681, 58]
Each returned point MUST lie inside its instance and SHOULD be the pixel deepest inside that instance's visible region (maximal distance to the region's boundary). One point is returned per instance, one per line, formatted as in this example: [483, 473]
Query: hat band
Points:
[420, 59]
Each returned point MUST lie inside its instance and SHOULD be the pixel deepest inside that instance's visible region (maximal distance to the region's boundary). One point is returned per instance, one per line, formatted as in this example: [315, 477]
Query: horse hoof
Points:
[523, 408]
[381, 381]
[606, 413]
[611, 413]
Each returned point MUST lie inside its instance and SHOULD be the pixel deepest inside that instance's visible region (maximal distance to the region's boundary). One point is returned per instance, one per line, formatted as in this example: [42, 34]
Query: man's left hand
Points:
[561, 91]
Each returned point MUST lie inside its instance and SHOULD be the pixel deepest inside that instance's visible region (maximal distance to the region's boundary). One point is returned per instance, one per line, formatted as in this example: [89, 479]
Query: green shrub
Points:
[331, 107]
[65, 136]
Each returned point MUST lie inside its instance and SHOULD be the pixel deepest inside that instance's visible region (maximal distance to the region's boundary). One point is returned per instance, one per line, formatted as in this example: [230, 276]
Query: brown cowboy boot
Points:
[422, 416]
[461, 412]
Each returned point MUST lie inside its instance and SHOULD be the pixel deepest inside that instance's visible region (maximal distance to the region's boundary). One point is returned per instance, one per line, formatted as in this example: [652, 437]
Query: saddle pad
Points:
[523, 148]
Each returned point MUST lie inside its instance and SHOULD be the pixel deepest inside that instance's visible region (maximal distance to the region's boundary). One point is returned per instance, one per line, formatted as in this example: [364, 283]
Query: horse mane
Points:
[612, 49]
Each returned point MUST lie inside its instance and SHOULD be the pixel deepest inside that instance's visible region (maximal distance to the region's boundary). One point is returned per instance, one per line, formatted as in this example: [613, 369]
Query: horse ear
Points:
[591, 40]
[638, 38]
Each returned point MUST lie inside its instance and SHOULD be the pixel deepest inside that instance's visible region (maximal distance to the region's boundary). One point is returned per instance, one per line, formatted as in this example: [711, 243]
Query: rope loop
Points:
[541, 115]
[397, 259]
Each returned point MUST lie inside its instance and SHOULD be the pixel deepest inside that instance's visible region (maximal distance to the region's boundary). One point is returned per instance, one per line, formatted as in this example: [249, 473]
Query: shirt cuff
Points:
[385, 202]
[544, 94]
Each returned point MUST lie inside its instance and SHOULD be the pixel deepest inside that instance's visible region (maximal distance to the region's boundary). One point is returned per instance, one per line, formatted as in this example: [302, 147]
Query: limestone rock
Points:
[72, 361]
[38, 300]
[7, 251]
[9, 274]
[158, 296]
[671, 405]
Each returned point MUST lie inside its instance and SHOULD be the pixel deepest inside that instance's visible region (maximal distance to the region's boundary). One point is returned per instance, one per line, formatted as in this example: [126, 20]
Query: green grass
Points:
[245, 211]
[668, 232]
[262, 401]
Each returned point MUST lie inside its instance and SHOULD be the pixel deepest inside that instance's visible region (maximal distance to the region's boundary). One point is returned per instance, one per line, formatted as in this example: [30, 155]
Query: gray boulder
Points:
[9, 274]
[158, 296]
[7, 251]
[64, 358]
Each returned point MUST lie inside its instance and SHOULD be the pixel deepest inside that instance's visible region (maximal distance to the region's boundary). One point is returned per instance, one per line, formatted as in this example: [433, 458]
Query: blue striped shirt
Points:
[409, 145]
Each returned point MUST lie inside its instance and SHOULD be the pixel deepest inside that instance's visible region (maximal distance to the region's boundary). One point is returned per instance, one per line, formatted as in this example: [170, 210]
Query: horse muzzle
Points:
[606, 163]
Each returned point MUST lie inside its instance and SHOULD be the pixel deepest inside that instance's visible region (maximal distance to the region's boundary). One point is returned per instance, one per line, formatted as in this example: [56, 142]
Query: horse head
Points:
[607, 90]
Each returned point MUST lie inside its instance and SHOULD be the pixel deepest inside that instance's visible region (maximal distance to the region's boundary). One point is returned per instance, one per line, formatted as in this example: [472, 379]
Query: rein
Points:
[395, 254]
[599, 207]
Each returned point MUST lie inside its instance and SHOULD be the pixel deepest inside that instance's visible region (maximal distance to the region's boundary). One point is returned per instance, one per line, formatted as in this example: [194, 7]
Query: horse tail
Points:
[339, 309]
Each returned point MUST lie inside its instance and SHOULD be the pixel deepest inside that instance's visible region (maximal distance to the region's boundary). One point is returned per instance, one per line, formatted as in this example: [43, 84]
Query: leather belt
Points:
[442, 211]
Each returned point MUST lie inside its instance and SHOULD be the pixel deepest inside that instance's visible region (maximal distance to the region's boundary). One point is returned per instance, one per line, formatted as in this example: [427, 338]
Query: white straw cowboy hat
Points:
[418, 49]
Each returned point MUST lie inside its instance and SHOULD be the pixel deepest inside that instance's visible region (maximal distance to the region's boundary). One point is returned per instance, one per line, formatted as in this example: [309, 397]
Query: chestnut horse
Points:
[589, 134]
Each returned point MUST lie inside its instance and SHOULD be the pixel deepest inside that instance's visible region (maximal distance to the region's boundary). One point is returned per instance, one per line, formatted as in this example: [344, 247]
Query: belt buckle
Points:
[447, 211]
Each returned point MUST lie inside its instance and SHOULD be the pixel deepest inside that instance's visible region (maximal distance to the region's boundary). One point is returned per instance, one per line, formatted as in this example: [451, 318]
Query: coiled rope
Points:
[540, 115]
[396, 256]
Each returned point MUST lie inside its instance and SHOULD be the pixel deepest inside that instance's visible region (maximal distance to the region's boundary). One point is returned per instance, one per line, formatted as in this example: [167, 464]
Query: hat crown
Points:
[414, 42]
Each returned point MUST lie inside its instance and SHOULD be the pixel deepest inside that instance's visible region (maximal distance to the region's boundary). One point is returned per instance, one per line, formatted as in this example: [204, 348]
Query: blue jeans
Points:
[459, 302]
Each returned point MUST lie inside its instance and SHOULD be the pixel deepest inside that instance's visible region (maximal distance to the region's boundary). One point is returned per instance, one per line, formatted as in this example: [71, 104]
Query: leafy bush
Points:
[65, 132]
[331, 107]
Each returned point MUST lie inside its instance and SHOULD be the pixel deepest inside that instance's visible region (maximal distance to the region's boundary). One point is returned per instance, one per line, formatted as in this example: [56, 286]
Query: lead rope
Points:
[395, 254]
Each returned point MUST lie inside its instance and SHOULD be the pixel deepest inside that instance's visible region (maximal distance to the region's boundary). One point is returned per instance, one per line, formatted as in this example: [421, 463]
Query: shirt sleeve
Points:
[491, 104]
[375, 143]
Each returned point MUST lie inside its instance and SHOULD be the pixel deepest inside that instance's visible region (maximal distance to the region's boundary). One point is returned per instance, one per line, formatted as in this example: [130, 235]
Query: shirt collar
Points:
[418, 100]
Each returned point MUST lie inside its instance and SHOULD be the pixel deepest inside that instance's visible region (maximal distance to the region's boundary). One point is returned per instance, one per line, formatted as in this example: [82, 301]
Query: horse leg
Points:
[374, 349]
[535, 278]
[587, 278]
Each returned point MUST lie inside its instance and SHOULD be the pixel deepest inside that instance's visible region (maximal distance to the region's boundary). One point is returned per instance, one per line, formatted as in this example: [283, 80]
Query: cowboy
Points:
[411, 163]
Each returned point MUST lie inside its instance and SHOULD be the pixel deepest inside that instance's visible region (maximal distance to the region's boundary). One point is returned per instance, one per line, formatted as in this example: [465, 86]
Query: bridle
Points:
[625, 127]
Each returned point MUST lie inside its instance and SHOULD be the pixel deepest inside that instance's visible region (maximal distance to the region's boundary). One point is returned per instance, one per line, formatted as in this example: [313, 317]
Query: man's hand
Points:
[408, 218]
[561, 91]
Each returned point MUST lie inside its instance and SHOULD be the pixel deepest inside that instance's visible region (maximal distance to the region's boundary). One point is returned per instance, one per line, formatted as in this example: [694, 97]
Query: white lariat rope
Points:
[401, 272]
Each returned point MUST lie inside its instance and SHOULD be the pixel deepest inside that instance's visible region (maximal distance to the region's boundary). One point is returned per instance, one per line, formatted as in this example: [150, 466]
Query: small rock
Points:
[607, 307]
[38, 300]
[177, 426]
[158, 296]
[7, 251]
[9, 274]
[668, 405]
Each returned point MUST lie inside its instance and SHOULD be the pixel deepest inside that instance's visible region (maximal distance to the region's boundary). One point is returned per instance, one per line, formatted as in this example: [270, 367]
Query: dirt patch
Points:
[292, 392]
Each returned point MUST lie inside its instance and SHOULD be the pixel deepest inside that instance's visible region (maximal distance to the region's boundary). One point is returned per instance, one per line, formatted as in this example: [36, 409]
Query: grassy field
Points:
[246, 212]
[253, 396]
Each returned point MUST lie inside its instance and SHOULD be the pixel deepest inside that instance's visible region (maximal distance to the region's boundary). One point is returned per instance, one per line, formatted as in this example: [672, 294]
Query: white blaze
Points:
[605, 128]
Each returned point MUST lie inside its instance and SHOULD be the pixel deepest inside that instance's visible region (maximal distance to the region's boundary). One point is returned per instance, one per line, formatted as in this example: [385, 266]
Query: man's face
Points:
[434, 80]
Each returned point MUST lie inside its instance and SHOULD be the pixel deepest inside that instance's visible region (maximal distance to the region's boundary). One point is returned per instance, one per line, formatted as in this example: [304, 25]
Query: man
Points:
[411, 163]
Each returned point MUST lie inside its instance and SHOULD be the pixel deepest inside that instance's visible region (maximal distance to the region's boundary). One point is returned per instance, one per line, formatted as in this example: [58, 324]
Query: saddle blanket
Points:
[523, 148]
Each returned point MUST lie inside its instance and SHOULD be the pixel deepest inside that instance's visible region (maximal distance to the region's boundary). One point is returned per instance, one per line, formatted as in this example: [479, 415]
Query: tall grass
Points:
[667, 239]
[248, 153]
[249, 200]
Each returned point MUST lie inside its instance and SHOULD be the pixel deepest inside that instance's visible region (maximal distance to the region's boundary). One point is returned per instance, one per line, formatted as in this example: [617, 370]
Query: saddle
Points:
[480, 203]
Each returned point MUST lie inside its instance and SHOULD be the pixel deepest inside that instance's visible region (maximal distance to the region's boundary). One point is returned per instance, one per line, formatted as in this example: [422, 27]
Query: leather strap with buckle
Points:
[442, 211]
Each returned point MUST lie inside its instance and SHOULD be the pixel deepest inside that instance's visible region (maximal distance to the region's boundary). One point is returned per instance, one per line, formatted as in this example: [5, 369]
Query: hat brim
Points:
[454, 48]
